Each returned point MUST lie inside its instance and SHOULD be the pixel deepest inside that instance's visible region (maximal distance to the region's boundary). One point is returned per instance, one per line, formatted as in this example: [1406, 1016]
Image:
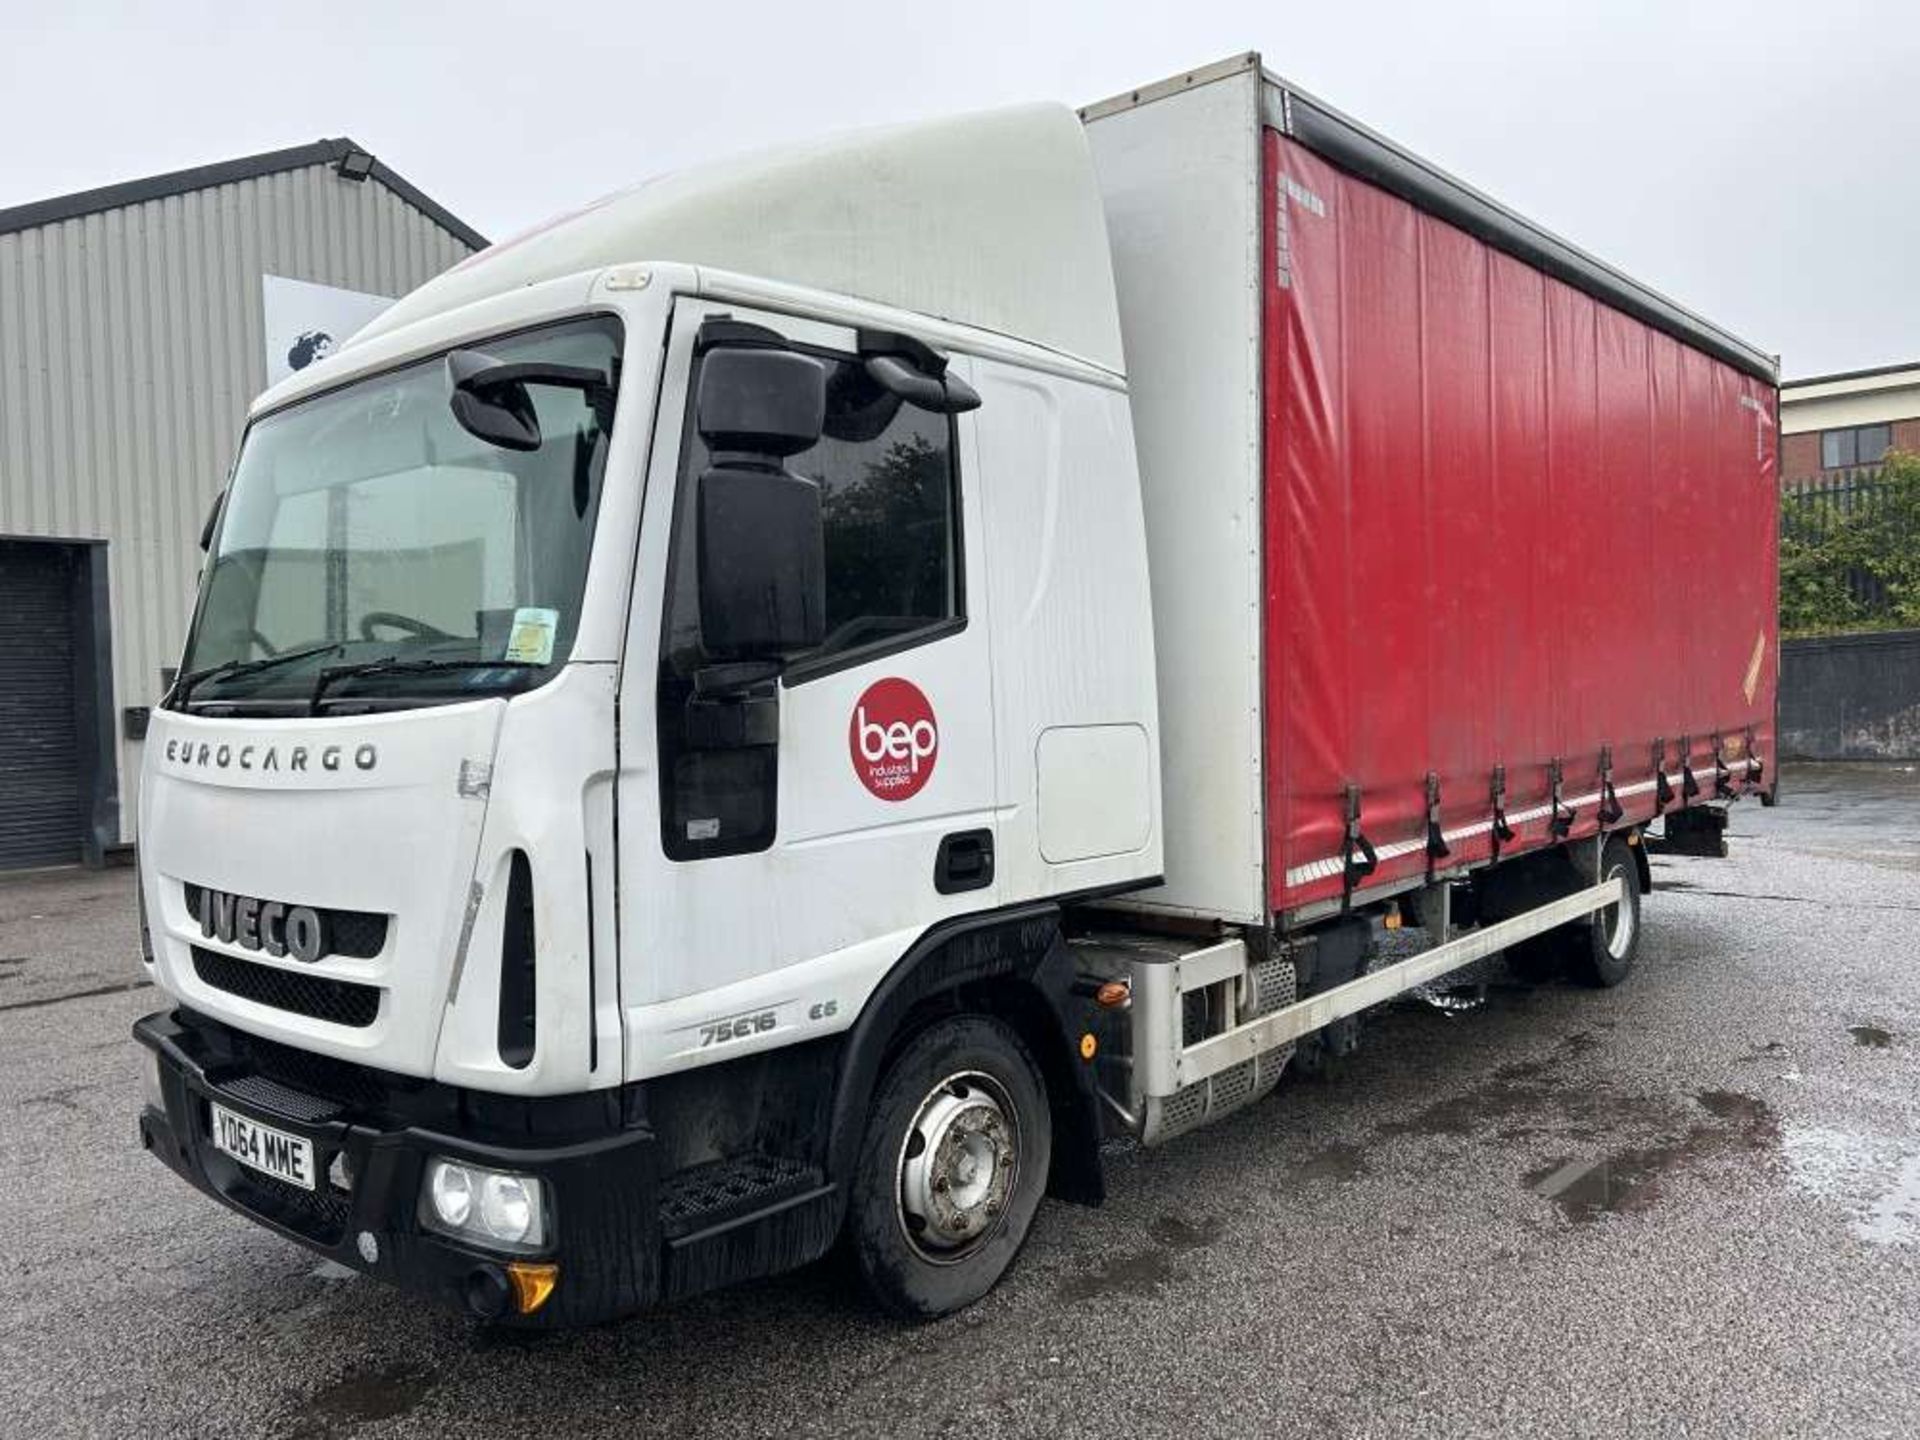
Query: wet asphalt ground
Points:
[1691, 1205]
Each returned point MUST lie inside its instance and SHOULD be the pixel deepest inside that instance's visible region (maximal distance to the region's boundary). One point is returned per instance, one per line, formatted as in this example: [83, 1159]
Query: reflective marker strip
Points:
[1336, 865]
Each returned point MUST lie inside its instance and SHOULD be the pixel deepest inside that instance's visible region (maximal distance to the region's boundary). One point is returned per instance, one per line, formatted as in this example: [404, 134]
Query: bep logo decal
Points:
[893, 738]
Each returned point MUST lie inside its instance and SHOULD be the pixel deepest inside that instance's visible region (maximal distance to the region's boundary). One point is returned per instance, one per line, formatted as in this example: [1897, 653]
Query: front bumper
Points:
[601, 1181]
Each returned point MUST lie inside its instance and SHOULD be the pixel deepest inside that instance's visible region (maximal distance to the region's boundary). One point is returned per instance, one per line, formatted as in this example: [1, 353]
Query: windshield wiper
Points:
[332, 675]
[184, 686]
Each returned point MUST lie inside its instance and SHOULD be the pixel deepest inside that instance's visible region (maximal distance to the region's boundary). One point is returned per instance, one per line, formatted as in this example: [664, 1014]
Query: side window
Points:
[890, 506]
[1857, 445]
[887, 501]
[1872, 443]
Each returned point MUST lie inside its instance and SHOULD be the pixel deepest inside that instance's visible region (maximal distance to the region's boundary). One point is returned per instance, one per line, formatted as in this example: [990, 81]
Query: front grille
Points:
[261, 1092]
[356, 934]
[354, 1087]
[320, 1214]
[339, 1002]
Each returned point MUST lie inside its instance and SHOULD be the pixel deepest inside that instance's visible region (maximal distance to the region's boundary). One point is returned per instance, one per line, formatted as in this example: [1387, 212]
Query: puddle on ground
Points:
[1144, 1271]
[1871, 1037]
[1629, 1180]
[1876, 1179]
[1759, 1129]
[1331, 1162]
[361, 1398]
[1894, 1216]
[1179, 1234]
[1587, 1189]
[1523, 1098]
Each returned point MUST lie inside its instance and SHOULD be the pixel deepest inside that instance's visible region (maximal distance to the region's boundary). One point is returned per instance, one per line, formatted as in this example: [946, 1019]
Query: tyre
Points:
[952, 1167]
[1540, 959]
[1602, 950]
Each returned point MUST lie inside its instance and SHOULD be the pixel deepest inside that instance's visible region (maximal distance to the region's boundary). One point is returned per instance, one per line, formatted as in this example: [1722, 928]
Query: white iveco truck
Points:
[678, 762]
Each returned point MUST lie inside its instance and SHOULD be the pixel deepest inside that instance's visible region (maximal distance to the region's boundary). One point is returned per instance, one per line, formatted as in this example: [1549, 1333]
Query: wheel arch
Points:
[1642, 866]
[1014, 965]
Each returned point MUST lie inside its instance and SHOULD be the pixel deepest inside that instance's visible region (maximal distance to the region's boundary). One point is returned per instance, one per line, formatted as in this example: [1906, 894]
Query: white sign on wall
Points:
[306, 322]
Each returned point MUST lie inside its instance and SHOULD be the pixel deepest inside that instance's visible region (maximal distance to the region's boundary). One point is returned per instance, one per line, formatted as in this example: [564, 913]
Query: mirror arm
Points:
[733, 707]
[961, 397]
[943, 394]
[534, 372]
[213, 521]
[896, 376]
[719, 681]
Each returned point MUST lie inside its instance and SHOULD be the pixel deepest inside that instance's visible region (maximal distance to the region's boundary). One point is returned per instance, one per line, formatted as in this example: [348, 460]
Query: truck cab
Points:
[633, 693]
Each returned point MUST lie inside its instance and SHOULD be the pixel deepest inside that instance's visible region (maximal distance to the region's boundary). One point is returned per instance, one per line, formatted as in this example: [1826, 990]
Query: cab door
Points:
[767, 887]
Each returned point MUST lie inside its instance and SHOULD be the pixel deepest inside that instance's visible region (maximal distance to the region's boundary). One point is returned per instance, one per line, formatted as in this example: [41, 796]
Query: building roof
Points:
[1874, 377]
[1875, 396]
[229, 172]
[991, 220]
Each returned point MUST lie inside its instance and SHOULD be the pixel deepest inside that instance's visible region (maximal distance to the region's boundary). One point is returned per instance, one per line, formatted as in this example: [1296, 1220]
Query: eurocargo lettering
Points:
[789, 705]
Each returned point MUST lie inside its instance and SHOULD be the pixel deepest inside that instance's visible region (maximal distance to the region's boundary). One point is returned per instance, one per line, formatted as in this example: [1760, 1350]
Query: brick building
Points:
[1835, 425]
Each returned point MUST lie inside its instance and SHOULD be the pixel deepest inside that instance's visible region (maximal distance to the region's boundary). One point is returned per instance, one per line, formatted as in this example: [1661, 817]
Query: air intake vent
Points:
[517, 967]
[338, 1002]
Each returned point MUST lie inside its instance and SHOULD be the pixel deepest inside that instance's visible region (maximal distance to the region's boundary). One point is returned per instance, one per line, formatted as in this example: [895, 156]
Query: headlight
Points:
[150, 1090]
[508, 1208]
[493, 1207]
[450, 1188]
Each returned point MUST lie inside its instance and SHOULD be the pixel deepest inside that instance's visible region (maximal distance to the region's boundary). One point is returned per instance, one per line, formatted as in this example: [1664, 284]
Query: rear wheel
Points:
[1604, 949]
[952, 1167]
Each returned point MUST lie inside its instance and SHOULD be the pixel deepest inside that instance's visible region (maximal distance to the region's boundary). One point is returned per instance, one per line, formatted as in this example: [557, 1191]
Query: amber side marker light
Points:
[1392, 918]
[1114, 995]
[532, 1282]
[1089, 1046]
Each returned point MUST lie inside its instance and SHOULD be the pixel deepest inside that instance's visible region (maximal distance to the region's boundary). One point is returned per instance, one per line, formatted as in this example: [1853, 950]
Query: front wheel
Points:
[952, 1167]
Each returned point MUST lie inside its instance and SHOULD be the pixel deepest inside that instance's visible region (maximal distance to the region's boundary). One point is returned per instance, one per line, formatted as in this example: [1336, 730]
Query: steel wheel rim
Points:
[1618, 922]
[958, 1163]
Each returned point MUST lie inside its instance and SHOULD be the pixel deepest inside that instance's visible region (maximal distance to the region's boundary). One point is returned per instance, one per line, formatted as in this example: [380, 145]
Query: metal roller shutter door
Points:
[39, 736]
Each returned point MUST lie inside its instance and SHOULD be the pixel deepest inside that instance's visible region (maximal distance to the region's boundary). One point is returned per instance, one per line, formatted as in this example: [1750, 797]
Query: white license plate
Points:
[271, 1152]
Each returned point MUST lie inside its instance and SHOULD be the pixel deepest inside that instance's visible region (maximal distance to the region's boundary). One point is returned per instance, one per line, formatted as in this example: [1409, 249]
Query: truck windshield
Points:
[377, 553]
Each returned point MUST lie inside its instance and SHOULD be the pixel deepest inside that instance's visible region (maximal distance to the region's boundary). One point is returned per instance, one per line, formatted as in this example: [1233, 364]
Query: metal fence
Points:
[1811, 510]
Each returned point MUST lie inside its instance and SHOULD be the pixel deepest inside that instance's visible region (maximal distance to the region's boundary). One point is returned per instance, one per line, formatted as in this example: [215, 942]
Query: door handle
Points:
[965, 862]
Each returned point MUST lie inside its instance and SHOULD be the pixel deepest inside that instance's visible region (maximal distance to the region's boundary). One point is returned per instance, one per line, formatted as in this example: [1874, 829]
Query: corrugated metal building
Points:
[133, 334]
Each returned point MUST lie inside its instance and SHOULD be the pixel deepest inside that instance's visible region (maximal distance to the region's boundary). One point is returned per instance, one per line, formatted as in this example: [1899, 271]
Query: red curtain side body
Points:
[1505, 524]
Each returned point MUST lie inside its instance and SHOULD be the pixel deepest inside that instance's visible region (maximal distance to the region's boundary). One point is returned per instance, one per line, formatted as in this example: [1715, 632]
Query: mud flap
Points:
[1697, 830]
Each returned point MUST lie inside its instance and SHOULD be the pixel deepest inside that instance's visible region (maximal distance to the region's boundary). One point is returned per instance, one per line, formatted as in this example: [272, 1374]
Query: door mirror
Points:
[491, 402]
[943, 394]
[917, 373]
[761, 401]
[762, 562]
[761, 543]
[500, 413]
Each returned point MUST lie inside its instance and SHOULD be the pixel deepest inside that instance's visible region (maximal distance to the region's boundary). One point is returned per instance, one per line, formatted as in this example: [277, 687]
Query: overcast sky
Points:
[1756, 160]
